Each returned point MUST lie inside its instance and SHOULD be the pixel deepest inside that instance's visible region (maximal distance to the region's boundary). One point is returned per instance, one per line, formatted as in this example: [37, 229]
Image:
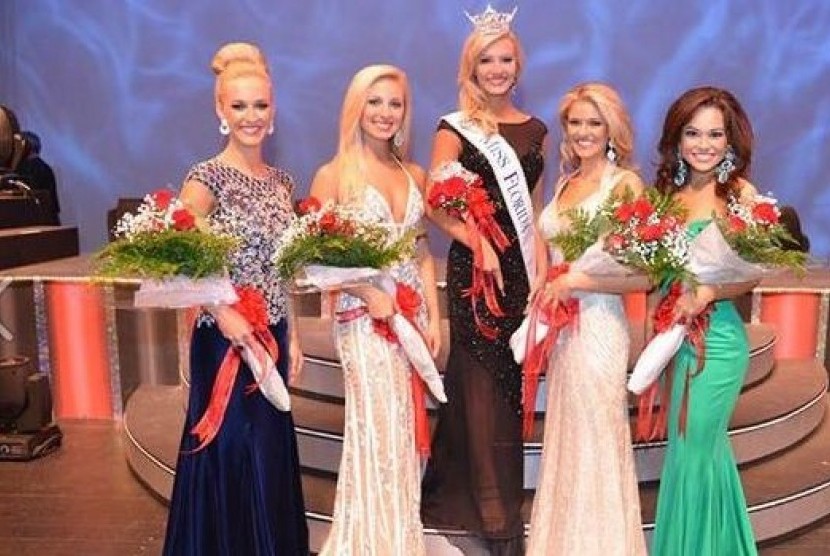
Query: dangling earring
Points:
[398, 139]
[726, 166]
[224, 128]
[682, 171]
[271, 129]
[611, 151]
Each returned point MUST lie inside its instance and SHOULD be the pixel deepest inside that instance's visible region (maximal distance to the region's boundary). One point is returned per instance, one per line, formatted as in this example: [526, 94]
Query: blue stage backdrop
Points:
[122, 95]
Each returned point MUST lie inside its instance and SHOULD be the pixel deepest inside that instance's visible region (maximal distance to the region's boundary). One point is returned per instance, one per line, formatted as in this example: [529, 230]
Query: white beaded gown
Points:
[377, 502]
[587, 501]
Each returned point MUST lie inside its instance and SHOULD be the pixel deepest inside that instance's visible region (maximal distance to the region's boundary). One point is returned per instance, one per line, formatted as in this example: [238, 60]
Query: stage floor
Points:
[83, 499]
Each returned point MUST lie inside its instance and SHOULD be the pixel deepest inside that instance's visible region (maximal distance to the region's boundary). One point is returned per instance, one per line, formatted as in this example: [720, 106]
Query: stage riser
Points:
[779, 519]
[770, 520]
[322, 452]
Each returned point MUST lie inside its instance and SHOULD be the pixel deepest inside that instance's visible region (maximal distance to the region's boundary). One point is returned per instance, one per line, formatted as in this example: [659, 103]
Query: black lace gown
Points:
[474, 479]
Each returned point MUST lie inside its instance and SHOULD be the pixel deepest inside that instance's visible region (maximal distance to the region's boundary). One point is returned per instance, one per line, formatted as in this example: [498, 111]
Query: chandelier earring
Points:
[682, 171]
[611, 151]
[224, 128]
[271, 128]
[398, 139]
[726, 166]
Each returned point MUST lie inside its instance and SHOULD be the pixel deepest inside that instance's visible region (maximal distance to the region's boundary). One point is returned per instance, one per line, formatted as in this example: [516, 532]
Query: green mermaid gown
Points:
[701, 509]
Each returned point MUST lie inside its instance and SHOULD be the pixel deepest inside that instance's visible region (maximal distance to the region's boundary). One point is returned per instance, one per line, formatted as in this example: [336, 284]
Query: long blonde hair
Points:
[238, 59]
[349, 158]
[613, 112]
[472, 100]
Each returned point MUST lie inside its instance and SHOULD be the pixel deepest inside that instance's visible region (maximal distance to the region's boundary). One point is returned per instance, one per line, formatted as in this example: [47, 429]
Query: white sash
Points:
[511, 180]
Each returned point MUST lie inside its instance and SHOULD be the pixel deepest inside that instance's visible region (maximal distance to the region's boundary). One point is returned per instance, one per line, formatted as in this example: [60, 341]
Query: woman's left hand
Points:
[556, 291]
[692, 303]
[433, 337]
[295, 355]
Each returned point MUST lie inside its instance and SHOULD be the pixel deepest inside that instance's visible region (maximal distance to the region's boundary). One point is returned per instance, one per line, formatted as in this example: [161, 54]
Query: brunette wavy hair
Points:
[739, 135]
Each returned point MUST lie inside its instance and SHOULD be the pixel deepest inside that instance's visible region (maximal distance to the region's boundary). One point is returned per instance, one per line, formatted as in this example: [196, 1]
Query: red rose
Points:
[447, 191]
[455, 187]
[765, 213]
[650, 232]
[183, 220]
[624, 212]
[615, 242]
[736, 224]
[408, 300]
[307, 205]
[328, 223]
[642, 208]
[162, 198]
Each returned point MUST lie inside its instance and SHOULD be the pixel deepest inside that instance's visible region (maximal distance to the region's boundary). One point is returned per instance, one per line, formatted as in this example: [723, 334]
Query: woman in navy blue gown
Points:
[241, 494]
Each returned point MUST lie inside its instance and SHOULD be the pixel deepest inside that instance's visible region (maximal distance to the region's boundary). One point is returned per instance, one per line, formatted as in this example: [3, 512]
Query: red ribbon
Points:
[557, 317]
[253, 308]
[652, 423]
[483, 283]
[408, 301]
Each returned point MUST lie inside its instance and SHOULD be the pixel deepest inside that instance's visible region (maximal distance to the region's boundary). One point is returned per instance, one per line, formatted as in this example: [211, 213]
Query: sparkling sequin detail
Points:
[257, 211]
[495, 356]
[587, 457]
[377, 503]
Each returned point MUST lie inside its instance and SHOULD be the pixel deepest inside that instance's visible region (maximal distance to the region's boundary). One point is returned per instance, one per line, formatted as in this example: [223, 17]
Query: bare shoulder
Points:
[324, 184]
[629, 180]
[746, 190]
[416, 172]
[197, 196]
[447, 146]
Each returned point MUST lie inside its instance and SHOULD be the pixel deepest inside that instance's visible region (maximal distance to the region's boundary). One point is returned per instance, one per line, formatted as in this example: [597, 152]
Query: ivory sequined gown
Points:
[587, 501]
[377, 504]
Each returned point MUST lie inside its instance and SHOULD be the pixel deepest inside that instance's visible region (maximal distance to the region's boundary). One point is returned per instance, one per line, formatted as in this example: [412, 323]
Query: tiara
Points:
[491, 22]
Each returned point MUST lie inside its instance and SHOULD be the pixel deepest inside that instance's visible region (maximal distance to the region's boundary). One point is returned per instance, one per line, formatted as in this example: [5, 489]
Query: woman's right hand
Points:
[491, 265]
[380, 304]
[232, 325]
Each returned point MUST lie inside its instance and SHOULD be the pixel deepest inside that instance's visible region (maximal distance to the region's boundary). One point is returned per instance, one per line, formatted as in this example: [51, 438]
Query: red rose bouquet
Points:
[647, 234]
[461, 194]
[335, 245]
[180, 260]
[752, 229]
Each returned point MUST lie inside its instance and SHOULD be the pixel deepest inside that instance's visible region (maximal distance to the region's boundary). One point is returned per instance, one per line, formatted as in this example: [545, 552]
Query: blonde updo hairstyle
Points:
[612, 111]
[472, 100]
[235, 60]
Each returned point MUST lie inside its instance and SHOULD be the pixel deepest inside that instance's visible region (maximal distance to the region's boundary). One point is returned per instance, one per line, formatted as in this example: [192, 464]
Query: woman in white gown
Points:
[587, 501]
[377, 501]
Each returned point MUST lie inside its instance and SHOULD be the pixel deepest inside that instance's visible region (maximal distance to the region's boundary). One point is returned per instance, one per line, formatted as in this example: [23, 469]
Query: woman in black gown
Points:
[474, 480]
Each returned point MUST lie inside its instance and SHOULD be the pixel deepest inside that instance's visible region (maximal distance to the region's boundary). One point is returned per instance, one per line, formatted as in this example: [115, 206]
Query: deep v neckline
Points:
[388, 206]
[608, 173]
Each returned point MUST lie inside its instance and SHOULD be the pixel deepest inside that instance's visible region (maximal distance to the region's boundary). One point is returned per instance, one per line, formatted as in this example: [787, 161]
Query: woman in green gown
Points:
[706, 150]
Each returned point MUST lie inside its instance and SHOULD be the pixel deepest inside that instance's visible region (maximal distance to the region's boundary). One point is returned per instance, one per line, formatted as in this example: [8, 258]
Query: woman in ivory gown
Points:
[587, 501]
[377, 503]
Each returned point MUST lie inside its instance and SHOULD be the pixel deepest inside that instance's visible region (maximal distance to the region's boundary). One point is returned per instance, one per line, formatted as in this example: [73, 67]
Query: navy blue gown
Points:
[242, 494]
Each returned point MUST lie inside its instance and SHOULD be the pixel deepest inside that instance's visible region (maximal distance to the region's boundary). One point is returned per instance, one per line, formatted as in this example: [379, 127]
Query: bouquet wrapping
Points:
[180, 260]
[335, 245]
